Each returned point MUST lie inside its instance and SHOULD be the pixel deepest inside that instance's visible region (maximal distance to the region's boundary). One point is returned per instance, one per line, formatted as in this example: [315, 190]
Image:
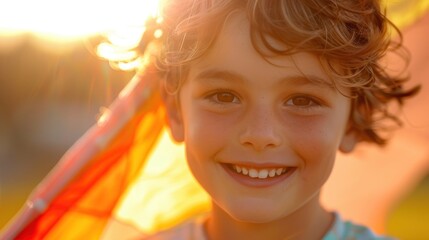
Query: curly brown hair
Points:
[350, 37]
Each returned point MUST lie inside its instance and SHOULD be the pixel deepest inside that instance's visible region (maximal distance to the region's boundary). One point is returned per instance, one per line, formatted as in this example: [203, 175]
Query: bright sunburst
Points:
[59, 22]
[73, 19]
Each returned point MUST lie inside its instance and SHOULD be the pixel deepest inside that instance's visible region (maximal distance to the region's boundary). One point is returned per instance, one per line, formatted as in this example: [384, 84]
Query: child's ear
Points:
[174, 117]
[349, 141]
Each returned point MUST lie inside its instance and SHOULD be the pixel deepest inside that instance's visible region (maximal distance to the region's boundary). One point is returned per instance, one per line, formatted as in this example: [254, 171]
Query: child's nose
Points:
[260, 131]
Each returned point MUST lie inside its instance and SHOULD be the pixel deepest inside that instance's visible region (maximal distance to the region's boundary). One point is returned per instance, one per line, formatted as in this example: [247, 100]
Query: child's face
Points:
[237, 110]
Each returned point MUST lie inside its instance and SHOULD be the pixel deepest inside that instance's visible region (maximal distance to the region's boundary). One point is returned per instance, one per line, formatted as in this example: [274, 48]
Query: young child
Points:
[262, 94]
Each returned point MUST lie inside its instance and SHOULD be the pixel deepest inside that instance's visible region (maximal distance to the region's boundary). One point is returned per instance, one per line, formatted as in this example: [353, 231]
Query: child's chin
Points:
[257, 216]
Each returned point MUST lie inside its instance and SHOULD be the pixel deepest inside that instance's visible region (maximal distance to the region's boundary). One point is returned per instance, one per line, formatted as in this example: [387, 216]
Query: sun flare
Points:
[73, 19]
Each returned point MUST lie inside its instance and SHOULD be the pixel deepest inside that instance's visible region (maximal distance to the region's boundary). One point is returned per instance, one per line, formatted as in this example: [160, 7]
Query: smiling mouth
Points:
[260, 173]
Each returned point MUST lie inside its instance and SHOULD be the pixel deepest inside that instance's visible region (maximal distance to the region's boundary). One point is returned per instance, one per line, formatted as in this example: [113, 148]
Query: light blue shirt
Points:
[349, 231]
[341, 230]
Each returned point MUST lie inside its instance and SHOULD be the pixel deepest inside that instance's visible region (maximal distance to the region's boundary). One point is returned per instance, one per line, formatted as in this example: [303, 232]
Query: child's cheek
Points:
[207, 133]
[315, 141]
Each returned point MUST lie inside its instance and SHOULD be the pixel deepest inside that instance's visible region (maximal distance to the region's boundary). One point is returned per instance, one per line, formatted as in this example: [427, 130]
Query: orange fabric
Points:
[83, 208]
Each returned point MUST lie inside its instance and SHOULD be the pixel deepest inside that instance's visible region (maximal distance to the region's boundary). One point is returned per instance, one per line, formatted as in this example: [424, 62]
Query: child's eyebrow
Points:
[227, 75]
[219, 74]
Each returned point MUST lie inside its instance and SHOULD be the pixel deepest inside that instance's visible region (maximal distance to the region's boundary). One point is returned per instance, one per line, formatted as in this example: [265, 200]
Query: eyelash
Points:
[313, 102]
[211, 96]
[314, 107]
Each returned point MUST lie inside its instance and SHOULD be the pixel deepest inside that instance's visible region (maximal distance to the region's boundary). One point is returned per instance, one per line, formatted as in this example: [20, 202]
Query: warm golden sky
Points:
[65, 19]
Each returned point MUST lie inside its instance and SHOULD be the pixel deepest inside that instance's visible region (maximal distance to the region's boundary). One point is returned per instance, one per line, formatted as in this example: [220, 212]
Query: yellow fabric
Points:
[165, 193]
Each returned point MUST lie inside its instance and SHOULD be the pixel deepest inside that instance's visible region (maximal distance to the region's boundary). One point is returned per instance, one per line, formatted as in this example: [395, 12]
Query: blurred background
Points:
[48, 99]
[52, 87]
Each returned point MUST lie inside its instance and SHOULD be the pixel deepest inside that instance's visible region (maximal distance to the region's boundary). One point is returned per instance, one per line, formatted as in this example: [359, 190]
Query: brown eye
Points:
[225, 97]
[301, 101]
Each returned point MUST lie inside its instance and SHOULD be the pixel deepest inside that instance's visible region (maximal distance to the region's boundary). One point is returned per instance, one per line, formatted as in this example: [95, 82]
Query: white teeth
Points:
[272, 173]
[261, 174]
[253, 173]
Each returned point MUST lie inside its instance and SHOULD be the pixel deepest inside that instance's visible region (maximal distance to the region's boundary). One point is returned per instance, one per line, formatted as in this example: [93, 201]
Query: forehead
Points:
[234, 50]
